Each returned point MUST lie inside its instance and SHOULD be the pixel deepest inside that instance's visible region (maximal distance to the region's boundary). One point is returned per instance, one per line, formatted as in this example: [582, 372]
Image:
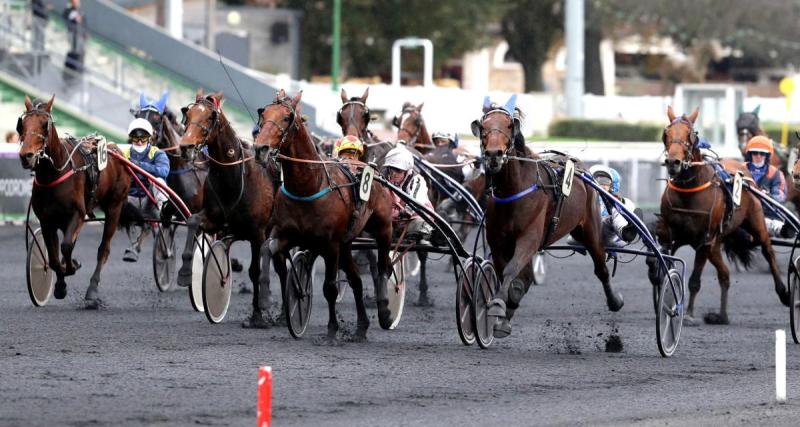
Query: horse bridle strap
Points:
[696, 189]
[234, 163]
[517, 196]
[59, 180]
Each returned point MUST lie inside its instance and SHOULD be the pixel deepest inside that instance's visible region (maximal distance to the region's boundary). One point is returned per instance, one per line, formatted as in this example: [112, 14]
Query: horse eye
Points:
[286, 119]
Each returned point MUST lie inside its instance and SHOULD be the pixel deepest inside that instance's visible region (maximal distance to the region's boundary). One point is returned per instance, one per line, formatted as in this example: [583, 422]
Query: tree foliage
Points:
[530, 27]
[369, 27]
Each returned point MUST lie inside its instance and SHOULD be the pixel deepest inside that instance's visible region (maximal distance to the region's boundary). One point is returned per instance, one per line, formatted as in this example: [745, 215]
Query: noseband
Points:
[486, 132]
[207, 130]
[284, 131]
[689, 145]
[42, 152]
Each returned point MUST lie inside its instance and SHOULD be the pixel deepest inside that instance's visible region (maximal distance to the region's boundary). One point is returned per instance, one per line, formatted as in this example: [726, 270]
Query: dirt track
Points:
[148, 358]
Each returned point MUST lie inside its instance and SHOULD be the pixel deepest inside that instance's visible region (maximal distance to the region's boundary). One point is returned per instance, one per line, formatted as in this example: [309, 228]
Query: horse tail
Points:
[739, 246]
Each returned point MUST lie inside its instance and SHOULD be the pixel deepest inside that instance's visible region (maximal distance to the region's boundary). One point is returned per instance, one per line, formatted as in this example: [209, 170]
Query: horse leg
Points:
[592, 239]
[423, 300]
[700, 257]
[723, 276]
[109, 227]
[526, 246]
[256, 319]
[70, 236]
[373, 271]
[348, 265]
[192, 231]
[329, 289]
[758, 229]
[50, 236]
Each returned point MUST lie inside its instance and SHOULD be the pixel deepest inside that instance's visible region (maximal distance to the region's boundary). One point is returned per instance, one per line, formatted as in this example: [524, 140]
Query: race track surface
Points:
[146, 358]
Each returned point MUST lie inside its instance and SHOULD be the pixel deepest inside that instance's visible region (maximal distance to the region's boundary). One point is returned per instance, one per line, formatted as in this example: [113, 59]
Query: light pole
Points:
[574, 34]
[337, 17]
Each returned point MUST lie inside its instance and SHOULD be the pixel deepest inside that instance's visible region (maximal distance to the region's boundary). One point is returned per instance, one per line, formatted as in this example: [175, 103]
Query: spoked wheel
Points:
[396, 291]
[670, 313]
[794, 308]
[484, 287]
[466, 329]
[201, 245]
[217, 282]
[164, 259]
[39, 274]
[539, 269]
[298, 294]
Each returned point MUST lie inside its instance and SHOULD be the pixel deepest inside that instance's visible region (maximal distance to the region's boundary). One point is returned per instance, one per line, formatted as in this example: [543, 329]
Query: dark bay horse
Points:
[354, 117]
[237, 194]
[520, 215]
[695, 212]
[411, 128]
[317, 209]
[66, 190]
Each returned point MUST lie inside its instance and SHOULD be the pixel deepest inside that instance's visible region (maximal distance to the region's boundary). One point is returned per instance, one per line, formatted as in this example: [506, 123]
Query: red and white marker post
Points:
[264, 410]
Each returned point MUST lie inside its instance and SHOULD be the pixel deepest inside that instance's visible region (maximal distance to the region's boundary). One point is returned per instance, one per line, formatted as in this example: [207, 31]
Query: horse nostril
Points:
[28, 156]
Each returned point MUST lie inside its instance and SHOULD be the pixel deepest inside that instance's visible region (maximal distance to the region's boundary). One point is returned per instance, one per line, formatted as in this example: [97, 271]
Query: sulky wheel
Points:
[164, 259]
[484, 287]
[299, 291]
[395, 292]
[466, 328]
[539, 270]
[794, 306]
[217, 282]
[38, 272]
[201, 244]
[669, 316]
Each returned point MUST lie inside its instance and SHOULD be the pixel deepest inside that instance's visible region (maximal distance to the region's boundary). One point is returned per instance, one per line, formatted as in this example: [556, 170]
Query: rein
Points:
[517, 196]
[674, 187]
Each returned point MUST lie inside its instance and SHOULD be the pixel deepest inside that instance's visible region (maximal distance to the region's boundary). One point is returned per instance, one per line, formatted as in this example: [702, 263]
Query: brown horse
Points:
[520, 215]
[411, 128]
[317, 210]
[237, 194]
[694, 212]
[354, 117]
[64, 194]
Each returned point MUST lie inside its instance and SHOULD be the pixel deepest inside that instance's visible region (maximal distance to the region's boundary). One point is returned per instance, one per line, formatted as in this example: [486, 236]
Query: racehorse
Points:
[318, 209]
[354, 117]
[526, 212]
[237, 193]
[695, 211]
[67, 187]
[411, 128]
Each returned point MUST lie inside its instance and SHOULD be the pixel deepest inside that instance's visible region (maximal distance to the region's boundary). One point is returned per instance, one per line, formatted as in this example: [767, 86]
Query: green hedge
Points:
[606, 130]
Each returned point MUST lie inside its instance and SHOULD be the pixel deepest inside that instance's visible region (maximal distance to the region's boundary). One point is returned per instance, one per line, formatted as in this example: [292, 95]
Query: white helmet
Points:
[399, 158]
[141, 124]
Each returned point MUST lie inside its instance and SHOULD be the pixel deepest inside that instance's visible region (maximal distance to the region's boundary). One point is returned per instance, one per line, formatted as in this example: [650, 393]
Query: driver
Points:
[148, 157]
[348, 147]
[398, 168]
[617, 232]
[769, 179]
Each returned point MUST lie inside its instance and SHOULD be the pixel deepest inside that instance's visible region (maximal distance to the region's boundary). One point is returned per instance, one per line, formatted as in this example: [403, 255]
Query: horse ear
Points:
[281, 94]
[516, 125]
[419, 107]
[28, 104]
[693, 117]
[200, 94]
[487, 104]
[670, 114]
[49, 106]
[344, 96]
[365, 95]
[161, 104]
[758, 108]
[142, 101]
[296, 99]
[476, 128]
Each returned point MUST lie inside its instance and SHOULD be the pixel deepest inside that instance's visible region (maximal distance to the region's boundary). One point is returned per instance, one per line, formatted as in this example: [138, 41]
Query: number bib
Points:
[102, 153]
[365, 187]
[569, 174]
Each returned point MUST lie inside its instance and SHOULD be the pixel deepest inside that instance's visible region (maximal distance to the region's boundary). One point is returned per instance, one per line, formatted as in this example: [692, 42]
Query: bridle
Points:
[479, 131]
[689, 145]
[418, 122]
[352, 116]
[284, 131]
[42, 152]
[207, 130]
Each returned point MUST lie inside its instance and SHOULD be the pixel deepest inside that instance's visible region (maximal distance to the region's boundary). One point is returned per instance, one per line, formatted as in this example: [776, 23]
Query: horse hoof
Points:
[716, 319]
[785, 297]
[280, 320]
[91, 293]
[502, 328]
[384, 315]
[93, 304]
[497, 308]
[255, 321]
[131, 255]
[615, 302]
[690, 321]
[60, 292]
[424, 301]
[184, 279]
[360, 336]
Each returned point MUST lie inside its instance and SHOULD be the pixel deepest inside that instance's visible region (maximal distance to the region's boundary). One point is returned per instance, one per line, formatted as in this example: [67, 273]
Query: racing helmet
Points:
[348, 142]
[605, 175]
[760, 144]
[399, 158]
[451, 138]
[140, 125]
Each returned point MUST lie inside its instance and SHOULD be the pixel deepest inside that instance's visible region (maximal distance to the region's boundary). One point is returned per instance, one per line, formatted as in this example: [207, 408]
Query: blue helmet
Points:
[614, 181]
[604, 174]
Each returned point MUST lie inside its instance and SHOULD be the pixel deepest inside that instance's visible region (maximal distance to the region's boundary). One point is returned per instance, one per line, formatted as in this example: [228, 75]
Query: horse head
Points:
[410, 126]
[202, 121]
[275, 122]
[499, 133]
[354, 115]
[35, 127]
[680, 142]
[748, 125]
